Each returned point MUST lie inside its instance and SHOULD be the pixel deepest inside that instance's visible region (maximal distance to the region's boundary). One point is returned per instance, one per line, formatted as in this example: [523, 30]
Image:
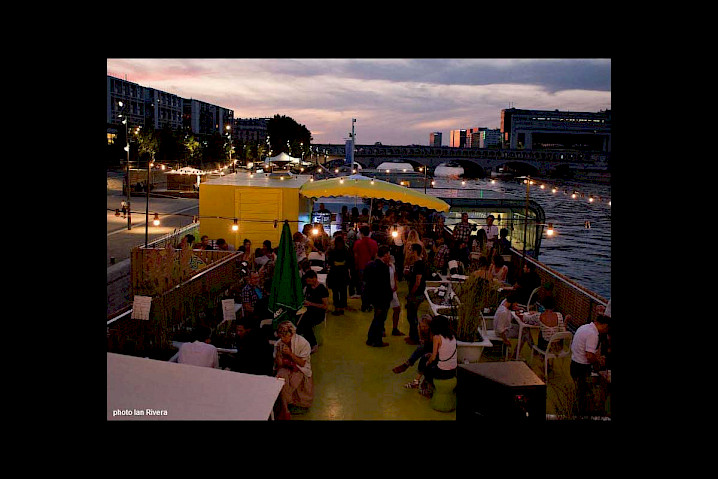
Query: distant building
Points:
[162, 109]
[250, 130]
[203, 118]
[435, 138]
[552, 130]
[485, 138]
[132, 96]
[155, 109]
[457, 139]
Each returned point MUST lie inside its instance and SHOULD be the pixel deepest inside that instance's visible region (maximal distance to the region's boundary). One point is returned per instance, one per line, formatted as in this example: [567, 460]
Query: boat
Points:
[348, 374]
[450, 169]
[396, 166]
[502, 173]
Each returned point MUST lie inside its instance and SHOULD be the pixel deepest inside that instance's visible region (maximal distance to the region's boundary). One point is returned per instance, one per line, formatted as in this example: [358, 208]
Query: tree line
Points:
[179, 148]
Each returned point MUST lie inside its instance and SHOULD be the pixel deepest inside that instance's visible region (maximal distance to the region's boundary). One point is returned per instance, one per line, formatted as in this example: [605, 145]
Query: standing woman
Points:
[248, 254]
[345, 218]
[354, 218]
[338, 276]
[442, 362]
[292, 359]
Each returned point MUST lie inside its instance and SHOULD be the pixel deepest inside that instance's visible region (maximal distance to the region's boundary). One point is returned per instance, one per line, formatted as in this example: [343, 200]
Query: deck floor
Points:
[353, 381]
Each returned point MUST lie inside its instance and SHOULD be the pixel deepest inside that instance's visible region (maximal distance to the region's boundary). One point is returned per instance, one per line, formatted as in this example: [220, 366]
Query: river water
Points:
[579, 252]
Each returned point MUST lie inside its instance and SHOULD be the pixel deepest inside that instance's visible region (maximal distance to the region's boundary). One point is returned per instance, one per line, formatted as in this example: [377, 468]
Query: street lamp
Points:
[229, 137]
[424, 168]
[123, 115]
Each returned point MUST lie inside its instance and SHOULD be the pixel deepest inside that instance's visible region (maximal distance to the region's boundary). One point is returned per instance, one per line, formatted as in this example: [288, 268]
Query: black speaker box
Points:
[499, 391]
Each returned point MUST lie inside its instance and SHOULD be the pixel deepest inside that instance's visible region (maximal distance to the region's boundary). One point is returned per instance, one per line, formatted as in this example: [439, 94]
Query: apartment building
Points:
[152, 108]
[250, 130]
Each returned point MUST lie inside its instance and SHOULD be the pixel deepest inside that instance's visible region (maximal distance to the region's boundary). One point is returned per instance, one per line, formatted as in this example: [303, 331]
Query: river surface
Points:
[582, 253]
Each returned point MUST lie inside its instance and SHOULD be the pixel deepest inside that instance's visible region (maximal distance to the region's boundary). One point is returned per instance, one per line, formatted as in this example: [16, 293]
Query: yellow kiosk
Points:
[255, 201]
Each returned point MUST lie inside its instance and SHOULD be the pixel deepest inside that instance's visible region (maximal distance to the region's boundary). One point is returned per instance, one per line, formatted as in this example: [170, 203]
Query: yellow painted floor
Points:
[353, 381]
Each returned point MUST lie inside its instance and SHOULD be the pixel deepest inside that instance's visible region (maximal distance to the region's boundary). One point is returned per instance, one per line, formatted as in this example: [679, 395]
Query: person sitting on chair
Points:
[292, 359]
[200, 352]
[550, 322]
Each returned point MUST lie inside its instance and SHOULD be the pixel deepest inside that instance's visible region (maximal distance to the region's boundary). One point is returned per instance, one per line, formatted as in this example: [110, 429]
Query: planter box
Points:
[468, 353]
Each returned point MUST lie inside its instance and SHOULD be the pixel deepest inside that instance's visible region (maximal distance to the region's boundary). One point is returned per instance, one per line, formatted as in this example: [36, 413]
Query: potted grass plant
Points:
[474, 295]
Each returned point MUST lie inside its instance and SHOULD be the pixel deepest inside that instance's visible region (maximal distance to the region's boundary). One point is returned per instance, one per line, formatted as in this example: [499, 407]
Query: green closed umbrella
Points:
[286, 296]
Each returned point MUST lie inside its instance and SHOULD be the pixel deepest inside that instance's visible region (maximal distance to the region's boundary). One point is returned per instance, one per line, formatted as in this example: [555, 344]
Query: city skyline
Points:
[394, 101]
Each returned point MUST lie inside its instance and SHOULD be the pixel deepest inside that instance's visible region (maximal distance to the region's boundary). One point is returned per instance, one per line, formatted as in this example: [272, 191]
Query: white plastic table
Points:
[147, 389]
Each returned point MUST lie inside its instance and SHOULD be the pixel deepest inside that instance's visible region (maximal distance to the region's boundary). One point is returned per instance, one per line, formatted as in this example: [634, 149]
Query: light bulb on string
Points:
[156, 221]
[549, 230]
[235, 226]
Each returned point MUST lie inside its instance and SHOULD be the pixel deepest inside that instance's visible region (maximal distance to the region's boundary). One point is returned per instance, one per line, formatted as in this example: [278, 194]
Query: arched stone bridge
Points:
[479, 161]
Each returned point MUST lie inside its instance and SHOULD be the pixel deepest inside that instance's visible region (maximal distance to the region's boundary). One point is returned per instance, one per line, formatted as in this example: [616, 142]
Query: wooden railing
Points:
[193, 300]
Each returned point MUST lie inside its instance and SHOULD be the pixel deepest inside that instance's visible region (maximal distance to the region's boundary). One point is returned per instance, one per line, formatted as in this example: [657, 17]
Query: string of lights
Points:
[393, 227]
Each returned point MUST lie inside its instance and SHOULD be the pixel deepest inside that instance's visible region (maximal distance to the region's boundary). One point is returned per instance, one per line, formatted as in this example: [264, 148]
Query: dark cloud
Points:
[552, 75]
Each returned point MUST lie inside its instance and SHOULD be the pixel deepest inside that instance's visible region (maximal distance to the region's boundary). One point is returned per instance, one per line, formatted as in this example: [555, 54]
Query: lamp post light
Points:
[147, 196]
[123, 115]
[424, 168]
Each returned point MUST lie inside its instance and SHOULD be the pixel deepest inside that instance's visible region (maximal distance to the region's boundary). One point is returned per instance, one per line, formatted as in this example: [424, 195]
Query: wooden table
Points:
[146, 389]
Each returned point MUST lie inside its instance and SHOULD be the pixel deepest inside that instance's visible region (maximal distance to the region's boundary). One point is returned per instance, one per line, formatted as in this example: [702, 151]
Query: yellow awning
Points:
[364, 187]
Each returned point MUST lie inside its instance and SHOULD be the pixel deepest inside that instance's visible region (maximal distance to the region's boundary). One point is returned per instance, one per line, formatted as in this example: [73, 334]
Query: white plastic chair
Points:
[491, 335]
[563, 338]
[527, 306]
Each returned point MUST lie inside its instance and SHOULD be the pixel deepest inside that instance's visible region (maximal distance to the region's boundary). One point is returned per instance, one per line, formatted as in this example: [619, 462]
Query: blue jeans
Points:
[420, 351]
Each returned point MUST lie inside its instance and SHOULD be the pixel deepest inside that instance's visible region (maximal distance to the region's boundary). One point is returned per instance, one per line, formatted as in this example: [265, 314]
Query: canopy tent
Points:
[362, 186]
[188, 170]
[281, 158]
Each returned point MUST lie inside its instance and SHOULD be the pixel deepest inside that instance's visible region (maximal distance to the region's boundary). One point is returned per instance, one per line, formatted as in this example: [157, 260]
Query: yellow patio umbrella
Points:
[364, 187]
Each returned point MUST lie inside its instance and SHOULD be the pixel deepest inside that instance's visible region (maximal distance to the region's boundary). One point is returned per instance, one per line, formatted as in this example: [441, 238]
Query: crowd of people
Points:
[366, 258]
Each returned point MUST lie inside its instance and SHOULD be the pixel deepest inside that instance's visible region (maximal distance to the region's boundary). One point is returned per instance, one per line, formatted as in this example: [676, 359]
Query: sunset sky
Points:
[395, 101]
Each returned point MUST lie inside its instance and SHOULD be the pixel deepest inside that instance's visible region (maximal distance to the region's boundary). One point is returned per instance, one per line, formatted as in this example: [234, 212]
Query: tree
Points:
[169, 148]
[284, 131]
[191, 150]
[214, 150]
[147, 144]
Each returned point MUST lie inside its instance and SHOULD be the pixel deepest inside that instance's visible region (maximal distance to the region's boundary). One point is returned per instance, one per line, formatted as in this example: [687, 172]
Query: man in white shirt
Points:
[584, 355]
[199, 352]
[492, 231]
[505, 327]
